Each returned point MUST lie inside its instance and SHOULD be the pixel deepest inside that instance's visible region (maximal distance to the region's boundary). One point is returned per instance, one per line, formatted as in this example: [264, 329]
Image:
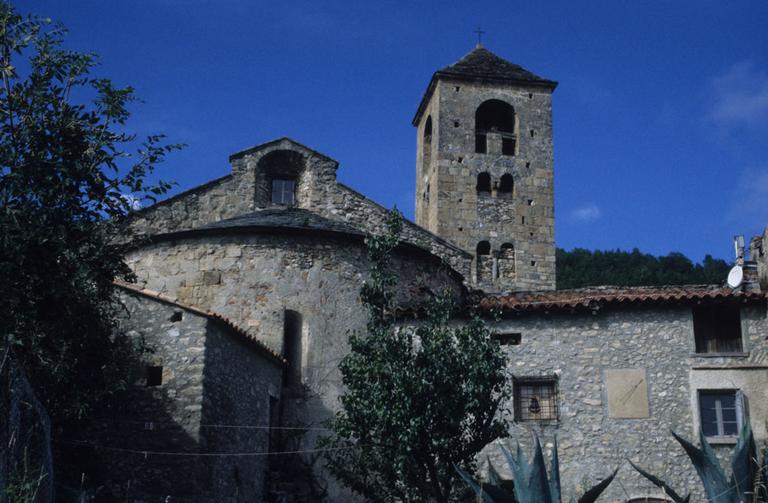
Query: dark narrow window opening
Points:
[508, 144]
[522, 220]
[457, 89]
[274, 420]
[717, 329]
[461, 229]
[527, 164]
[176, 316]
[283, 191]
[535, 399]
[484, 184]
[455, 123]
[483, 248]
[481, 143]
[292, 328]
[154, 375]
[506, 186]
[533, 133]
[533, 263]
[461, 160]
[530, 202]
[530, 96]
[508, 339]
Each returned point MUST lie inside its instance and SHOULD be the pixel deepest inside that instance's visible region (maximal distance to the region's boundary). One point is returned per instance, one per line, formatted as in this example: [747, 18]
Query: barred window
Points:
[535, 399]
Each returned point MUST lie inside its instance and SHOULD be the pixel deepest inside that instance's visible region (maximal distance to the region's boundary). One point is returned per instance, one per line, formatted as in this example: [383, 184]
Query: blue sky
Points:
[660, 118]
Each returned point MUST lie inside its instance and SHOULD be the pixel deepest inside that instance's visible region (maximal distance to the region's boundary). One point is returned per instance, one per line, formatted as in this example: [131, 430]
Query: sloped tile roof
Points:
[595, 298]
[482, 64]
[226, 322]
[285, 217]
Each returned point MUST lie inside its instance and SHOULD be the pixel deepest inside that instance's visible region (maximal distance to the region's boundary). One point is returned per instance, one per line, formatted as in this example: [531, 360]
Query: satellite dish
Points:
[735, 276]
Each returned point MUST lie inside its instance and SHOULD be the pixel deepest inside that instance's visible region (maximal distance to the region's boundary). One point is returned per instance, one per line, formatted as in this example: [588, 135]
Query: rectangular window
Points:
[721, 412]
[535, 399]
[717, 329]
[283, 192]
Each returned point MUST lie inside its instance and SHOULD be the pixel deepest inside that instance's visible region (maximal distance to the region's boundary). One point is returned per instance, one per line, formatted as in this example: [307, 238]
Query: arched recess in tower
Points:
[506, 267]
[426, 154]
[484, 184]
[495, 117]
[506, 185]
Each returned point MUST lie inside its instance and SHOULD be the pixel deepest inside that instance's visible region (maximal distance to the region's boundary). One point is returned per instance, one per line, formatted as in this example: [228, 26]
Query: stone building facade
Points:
[615, 370]
[267, 262]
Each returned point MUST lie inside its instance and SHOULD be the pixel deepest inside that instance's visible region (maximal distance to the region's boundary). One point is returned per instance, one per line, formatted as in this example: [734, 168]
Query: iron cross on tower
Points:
[480, 34]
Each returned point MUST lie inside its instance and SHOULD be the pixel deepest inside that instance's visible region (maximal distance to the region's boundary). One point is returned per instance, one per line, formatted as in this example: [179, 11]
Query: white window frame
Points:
[740, 414]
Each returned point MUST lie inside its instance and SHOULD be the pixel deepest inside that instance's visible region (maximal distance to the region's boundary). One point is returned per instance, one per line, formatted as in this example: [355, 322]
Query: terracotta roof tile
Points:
[595, 298]
[229, 324]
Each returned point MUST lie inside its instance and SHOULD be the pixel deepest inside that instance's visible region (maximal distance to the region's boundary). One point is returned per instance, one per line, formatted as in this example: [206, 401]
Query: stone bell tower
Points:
[484, 169]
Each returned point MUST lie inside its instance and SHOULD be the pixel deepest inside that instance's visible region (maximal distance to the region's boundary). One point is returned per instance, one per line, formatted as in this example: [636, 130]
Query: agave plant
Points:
[532, 485]
[748, 477]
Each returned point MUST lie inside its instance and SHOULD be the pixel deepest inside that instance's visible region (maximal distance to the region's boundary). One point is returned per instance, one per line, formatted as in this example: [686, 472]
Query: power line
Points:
[147, 453]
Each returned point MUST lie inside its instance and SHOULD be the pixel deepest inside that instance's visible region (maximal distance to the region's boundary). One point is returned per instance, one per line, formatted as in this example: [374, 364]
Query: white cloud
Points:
[586, 213]
[740, 95]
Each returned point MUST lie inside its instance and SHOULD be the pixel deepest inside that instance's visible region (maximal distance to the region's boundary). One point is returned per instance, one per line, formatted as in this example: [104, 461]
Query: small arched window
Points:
[507, 250]
[495, 116]
[484, 183]
[483, 248]
[506, 186]
[426, 145]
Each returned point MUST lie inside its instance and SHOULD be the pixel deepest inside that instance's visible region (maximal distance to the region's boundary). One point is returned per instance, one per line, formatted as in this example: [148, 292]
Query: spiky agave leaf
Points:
[520, 472]
[474, 485]
[744, 464]
[716, 485]
[490, 493]
[538, 482]
[554, 475]
[662, 485]
[595, 491]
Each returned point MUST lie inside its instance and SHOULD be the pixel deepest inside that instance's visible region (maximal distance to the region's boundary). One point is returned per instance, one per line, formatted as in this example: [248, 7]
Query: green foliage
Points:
[532, 485]
[418, 400]
[746, 483]
[579, 268]
[67, 182]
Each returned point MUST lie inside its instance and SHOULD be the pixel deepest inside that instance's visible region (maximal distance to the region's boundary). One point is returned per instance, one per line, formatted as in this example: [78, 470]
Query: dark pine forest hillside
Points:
[580, 268]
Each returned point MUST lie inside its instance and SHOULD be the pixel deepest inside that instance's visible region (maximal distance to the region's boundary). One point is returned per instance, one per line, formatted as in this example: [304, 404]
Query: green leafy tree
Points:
[580, 268]
[419, 400]
[69, 175]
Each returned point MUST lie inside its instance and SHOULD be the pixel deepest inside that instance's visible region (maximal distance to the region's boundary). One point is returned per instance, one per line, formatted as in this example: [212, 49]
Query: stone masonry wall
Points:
[581, 349]
[246, 190]
[455, 210]
[253, 279]
[241, 387]
[206, 373]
